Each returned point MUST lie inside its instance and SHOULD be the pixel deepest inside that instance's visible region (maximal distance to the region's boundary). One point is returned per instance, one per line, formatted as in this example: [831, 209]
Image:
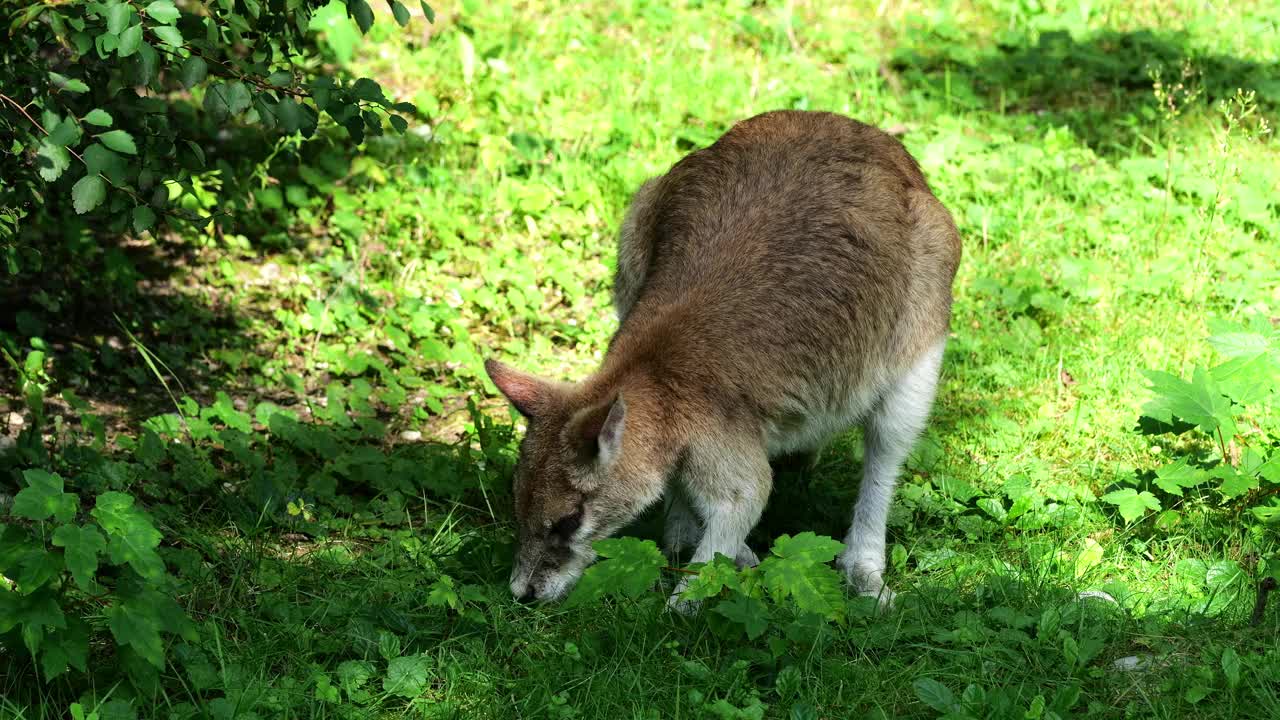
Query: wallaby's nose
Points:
[527, 596]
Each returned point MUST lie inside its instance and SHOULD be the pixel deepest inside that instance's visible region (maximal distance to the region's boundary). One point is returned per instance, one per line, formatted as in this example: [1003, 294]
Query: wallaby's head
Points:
[582, 474]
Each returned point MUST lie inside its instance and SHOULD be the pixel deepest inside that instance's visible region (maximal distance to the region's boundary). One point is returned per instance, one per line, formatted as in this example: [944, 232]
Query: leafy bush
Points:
[127, 115]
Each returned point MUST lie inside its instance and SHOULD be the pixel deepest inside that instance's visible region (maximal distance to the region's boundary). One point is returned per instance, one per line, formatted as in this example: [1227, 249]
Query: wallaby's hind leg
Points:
[891, 431]
[635, 246]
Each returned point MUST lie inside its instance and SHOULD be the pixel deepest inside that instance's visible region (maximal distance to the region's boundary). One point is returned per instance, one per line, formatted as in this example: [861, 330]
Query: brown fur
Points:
[763, 281]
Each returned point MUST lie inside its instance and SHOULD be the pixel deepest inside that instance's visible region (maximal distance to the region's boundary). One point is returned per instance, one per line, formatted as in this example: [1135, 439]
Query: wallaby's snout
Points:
[578, 479]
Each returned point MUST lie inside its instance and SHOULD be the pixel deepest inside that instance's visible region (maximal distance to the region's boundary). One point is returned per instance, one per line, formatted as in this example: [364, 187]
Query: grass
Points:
[1104, 223]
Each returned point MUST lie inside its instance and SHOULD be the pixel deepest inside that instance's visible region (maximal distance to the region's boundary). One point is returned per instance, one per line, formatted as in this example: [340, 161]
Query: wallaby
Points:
[786, 283]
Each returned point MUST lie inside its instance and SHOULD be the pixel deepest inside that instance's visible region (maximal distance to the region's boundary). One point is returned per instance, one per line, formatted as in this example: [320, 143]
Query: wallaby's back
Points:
[799, 259]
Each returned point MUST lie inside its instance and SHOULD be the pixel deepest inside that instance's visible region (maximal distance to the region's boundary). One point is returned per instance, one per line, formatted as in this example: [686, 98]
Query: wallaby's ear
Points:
[526, 392]
[600, 429]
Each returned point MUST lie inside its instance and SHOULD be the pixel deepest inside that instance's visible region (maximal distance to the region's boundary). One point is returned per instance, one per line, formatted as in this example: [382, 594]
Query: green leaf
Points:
[143, 218]
[65, 647]
[36, 566]
[1234, 482]
[118, 17]
[65, 133]
[398, 123]
[162, 11]
[400, 12]
[71, 85]
[98, 117]
[426, 10]
[194, 71]
[81, 545]
[747, 611]
[289, 114]
[1231, 667]
[170, 35]
[407, 676]
[807, 547]
[405, 107]
[133, 538]
[52, 160]
[798, 569]
[1173, 478]
[362, 13]
[43, 498]
[934, 694]
[98, 159]
[712, 578]
[120, 141]
[1199, 402]
[130, 41]
[1131, 503]
[815, 588]
[137, 625]
[630, 567]
[367, 90]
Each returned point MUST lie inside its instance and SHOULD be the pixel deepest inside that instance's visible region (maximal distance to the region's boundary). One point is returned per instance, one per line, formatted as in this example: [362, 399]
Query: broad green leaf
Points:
[712, 578]
[934, 694]
[39, 609]
[143, 218]
[98, 159]
[428, 11]
[81, 546]
[120, 141]
[169, 34]
[118, 17]
[98, 117]
[353, 674]
[35, 567]
[1131, 503]
[747, 611]
[88, 193]
[194, 71]
[807, 547]
[407, 676]
[137, 625]
[52, 160]
[362, 13]
[814, 587]
[65, 133]
[1248, 380]
[130, 41]
[43, 498]
[132, 537]
[1175, 477]
[367, 90]
[63, 647]
[1234, 482]
[400, 12]
[630, 567]
[71, 85]
[1199, 402]
[397, 122]
[1231, 667]
[162, 11]
[289, 114]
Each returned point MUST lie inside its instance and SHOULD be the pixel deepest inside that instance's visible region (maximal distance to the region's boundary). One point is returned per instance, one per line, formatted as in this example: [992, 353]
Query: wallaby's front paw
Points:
[867, 579]
[745, 557]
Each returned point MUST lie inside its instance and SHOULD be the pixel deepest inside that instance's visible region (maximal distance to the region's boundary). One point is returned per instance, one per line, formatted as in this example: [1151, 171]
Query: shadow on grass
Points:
[1100, 87]
[97, 300]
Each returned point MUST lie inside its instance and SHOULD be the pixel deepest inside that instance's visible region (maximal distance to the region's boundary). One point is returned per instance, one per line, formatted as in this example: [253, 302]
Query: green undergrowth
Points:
[274, 482]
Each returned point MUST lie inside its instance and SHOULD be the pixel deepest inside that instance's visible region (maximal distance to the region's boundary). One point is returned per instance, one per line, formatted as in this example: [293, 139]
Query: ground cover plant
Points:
[250, 465]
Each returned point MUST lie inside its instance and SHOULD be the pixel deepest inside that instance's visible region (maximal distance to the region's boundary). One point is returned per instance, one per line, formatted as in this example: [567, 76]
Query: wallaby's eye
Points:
[566, 526]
